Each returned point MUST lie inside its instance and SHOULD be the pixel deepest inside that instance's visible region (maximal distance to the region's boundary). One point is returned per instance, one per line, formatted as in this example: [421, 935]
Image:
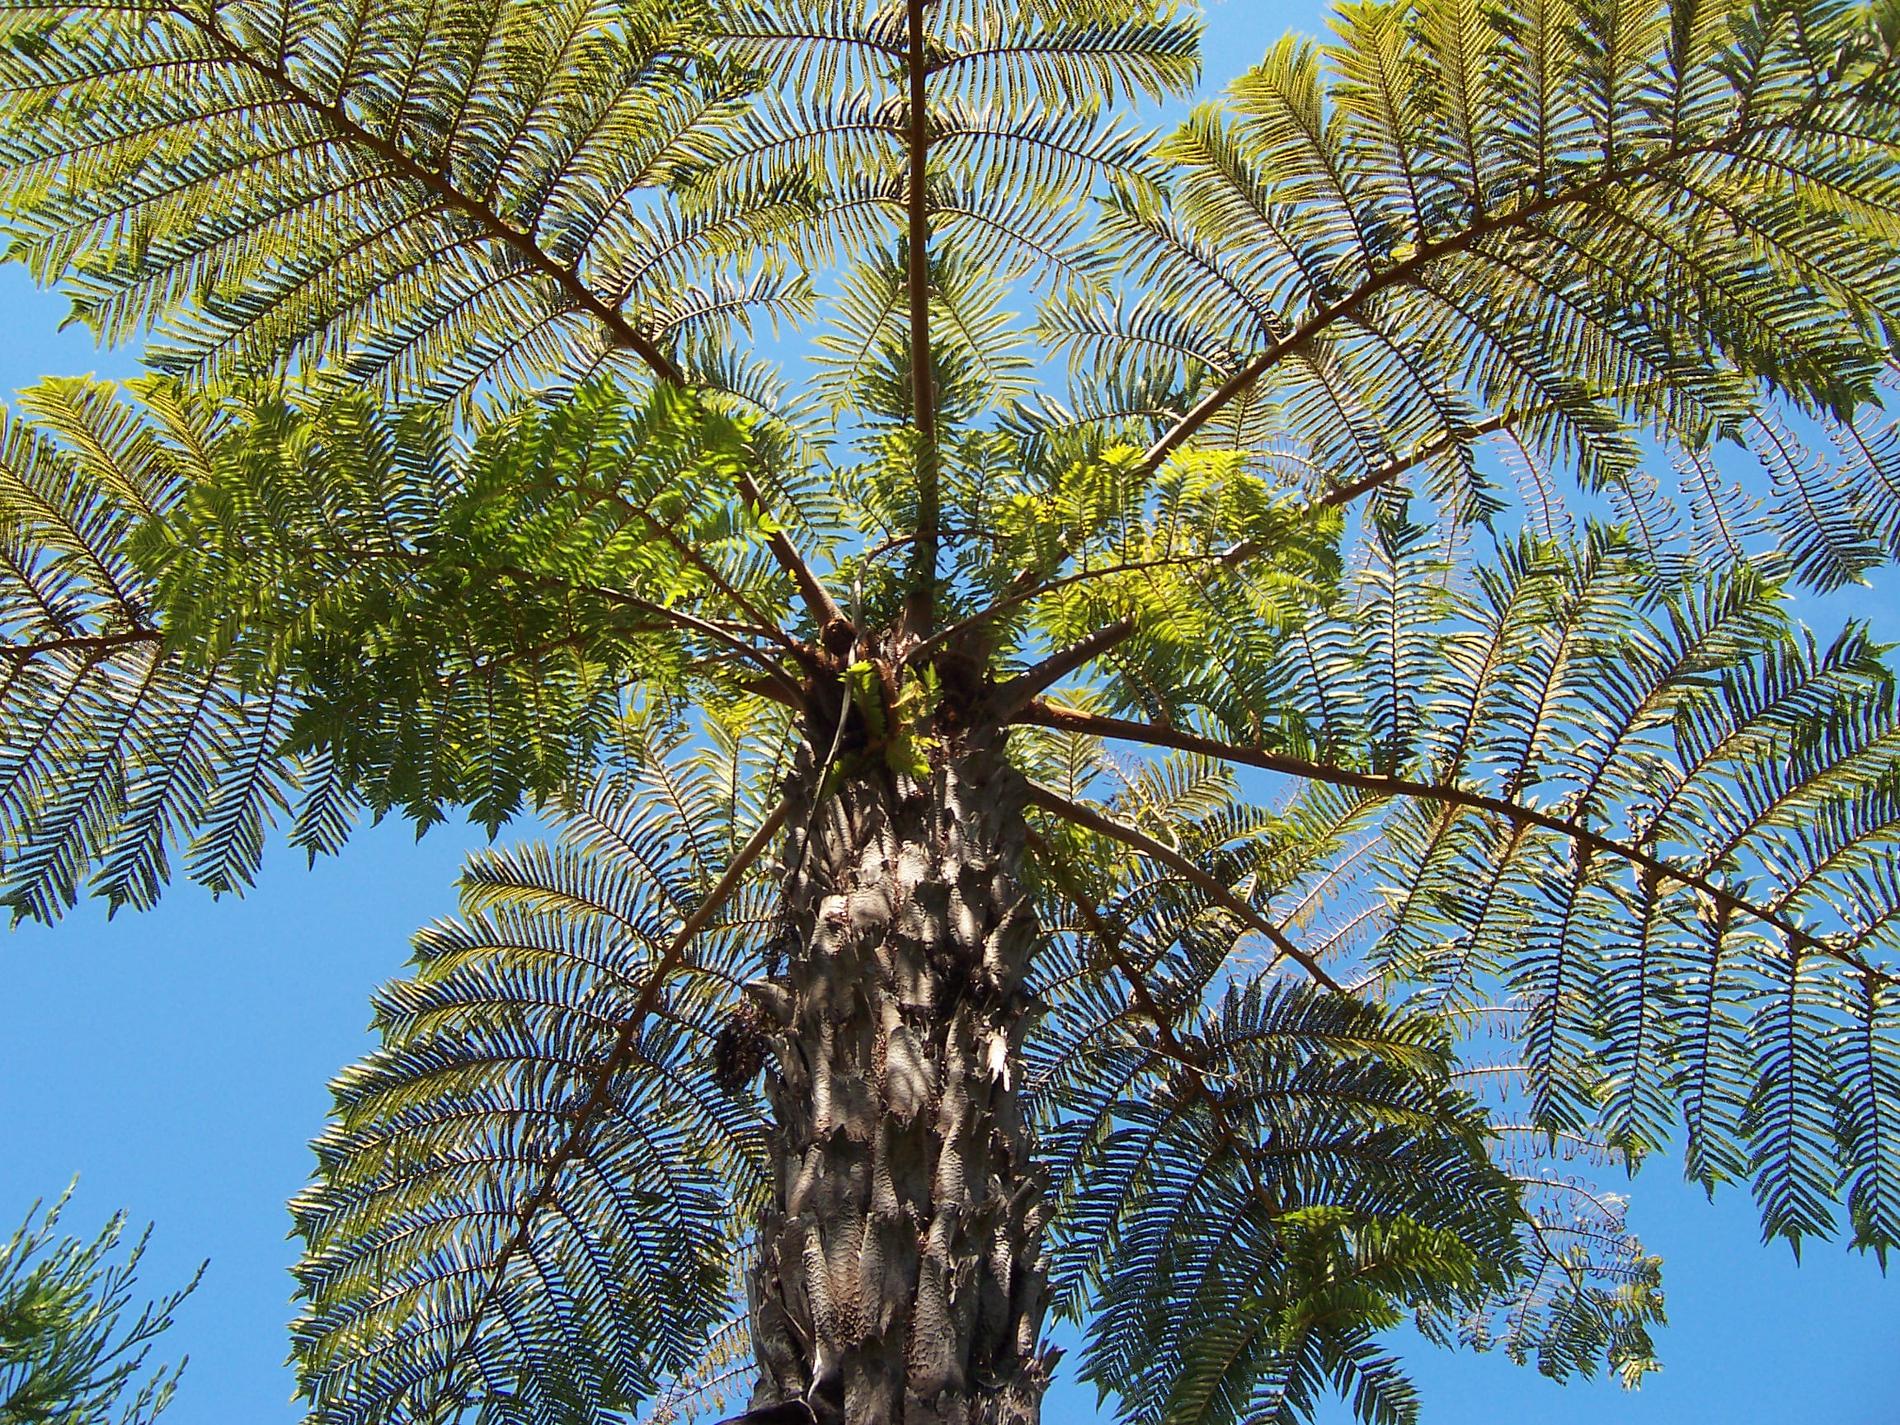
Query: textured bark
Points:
[900, 1269]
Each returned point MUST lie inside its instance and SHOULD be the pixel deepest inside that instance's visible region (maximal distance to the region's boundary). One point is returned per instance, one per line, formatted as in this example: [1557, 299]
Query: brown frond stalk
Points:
[823, 607]
[95, 645]
[1090, 820]
[1011, 697]
[1801, 940]
[920, 607]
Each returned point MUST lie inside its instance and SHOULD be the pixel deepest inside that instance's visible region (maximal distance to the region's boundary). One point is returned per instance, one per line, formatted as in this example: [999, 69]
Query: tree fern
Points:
[1454, 411]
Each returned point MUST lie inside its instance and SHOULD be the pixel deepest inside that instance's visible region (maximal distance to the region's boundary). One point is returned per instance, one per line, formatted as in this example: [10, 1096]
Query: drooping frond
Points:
[1185, 1097]
[1663, 822]
[527, 1201]
[712, 1388]
[1588, 1292]
[219, 608]
[1241, 1232]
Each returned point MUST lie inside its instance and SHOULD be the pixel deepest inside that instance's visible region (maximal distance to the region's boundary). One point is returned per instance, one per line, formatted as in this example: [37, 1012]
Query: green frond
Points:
[120, 755]
[1582, 220]
[436, 198]
[459, 626]
[1221, 1212]
[1180, 1151]
[221, 610]
[460, 1244]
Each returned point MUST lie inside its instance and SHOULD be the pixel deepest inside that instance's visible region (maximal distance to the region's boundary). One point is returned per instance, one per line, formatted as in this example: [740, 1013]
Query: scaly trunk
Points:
[899, 1279]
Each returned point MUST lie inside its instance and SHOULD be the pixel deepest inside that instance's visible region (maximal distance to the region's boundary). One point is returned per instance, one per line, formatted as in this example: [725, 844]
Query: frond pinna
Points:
[119, 755]
[1229, 849]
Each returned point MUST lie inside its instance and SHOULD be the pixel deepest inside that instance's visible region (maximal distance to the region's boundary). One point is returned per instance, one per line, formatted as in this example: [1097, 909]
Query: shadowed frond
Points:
[1184, 1097]
[1216, 1214]
[1663, 821]
[529, 1195]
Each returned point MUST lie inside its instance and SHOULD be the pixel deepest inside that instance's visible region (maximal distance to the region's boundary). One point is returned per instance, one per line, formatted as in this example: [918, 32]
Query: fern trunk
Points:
[900, 1274]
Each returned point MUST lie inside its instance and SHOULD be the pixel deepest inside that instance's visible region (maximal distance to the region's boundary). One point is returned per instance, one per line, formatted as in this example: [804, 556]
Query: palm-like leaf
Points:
[1665, 832]
[1213, 1144]
[1580, 221]
[441, 198]
[217, 604]
[529, 1191]
[120, 754]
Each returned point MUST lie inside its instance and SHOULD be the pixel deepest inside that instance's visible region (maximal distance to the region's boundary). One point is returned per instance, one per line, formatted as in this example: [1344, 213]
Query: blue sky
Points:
[177, 1061]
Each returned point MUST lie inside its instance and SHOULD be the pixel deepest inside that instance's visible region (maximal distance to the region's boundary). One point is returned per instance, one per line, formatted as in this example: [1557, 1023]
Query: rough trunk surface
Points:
[899, 1279]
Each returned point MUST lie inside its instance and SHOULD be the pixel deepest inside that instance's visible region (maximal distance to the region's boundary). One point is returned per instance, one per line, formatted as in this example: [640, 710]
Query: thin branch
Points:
[1401, 273]
[1800, 939]
[722, 632]
[1393, 469]
[626, 1041]
[920, 606]
[692, 556]
[1010, 698]
[1091, 820]
[1110, 940]
[824, 608]
[95, 644]
[482, 214]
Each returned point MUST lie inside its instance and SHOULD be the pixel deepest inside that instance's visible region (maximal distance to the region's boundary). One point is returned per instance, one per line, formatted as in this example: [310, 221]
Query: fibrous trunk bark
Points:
[899, 1278]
